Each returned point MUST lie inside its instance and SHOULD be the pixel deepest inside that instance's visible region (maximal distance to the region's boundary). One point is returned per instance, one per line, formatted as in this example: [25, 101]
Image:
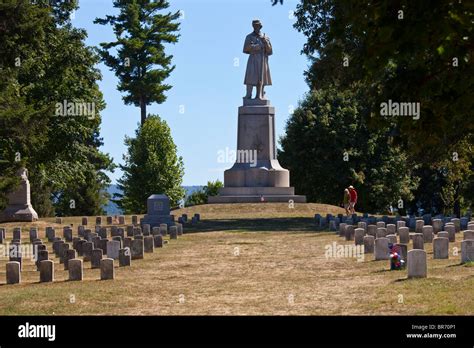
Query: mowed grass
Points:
[241, 259]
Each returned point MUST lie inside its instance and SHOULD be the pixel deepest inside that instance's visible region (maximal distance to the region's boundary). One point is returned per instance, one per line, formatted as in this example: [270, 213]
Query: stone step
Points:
[256, 191]
[256, 199]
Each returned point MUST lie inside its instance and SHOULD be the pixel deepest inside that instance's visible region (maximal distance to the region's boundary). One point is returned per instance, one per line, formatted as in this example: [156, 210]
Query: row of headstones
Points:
[88, 234]
[92, 249]
[194, 219]
[65, 254]
[377, 238]
[61, 249]
[121, 219]
[98, 220]
[428, 231]
[110, 220]
[99, 239]
[438, 223]
[46, 269]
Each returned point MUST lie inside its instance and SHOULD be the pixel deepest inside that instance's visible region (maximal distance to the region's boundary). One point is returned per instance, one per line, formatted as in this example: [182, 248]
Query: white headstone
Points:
[416, 264]
[382, 252]
[440, 248]
[113, 247]
[467, 251]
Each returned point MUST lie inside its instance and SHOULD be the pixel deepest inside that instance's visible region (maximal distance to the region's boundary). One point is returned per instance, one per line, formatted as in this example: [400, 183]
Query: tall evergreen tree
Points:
[151, 166]
[405, 51]
[61, 151]
[328, 146]
[141, 63]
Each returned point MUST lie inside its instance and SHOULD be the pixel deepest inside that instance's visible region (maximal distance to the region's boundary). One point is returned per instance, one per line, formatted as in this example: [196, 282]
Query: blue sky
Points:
[201, 108]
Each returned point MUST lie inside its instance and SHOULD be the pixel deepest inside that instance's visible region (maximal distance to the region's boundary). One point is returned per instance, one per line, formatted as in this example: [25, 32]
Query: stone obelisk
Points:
[19, 206]
[256, 176]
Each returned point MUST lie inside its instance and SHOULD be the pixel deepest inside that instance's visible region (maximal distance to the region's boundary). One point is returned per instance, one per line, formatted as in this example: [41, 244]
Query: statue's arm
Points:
[249, 47]
[268, 47]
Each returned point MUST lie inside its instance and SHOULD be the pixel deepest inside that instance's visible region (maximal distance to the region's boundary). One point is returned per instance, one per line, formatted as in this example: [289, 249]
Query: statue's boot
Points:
[260, 92]
[249, 92]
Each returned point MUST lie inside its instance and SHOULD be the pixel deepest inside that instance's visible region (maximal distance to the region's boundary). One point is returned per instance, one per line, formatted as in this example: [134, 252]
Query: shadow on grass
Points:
[385, 270]
[459, 265]
[296, 224]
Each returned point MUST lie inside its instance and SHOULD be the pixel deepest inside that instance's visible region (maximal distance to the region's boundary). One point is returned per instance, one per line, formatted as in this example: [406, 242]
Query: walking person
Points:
[347, 198]
[353, 199]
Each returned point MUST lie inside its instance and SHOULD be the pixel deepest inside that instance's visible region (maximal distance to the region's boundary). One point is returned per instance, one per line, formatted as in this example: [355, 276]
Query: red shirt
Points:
[353, 194]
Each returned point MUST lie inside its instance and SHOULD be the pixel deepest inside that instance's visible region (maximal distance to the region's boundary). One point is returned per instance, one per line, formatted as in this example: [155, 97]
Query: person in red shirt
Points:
[353, 199]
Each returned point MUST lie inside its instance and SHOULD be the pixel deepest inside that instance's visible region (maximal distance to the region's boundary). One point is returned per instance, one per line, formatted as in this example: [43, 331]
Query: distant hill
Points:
[112, 209]
[191, 189]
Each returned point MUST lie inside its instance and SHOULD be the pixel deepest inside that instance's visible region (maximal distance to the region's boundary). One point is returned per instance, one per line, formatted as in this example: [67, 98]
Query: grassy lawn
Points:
[245, 259]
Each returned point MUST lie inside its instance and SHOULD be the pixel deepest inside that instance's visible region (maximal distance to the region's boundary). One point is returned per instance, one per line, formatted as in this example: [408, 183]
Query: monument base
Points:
[19, 208]
[256, 176]
[158, 211]
[156, 221]
[256, 195]
[19, 213]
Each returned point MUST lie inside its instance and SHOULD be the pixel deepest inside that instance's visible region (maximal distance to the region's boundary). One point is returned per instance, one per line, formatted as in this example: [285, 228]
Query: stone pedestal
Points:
[19, 206]
[256, 175]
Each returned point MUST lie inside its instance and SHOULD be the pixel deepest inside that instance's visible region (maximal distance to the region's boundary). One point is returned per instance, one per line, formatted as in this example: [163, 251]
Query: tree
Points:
[327, 147]
[20, 129]
[151, 166]
[407, 51]
[196, 198]
[141, 63]
[201, 196]
[61, 151]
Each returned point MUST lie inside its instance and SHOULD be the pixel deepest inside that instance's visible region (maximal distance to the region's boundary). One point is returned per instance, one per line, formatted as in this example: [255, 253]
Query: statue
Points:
[19, 206]
[256, 175]
[258, 46]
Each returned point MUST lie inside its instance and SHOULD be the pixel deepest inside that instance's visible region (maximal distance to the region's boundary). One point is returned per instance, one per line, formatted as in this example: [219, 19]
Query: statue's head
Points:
[23, 173]
[257, 25]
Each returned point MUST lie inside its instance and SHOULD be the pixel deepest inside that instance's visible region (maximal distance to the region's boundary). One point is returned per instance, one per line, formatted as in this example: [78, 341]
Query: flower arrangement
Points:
[396, 261]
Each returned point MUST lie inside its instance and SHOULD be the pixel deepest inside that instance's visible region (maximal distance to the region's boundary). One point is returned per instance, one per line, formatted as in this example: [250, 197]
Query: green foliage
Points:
[45, 61]
[151, 166]
[212, 188]
[201, 196]
[406, 51]
[141, 63]
[328, 128]
[196, 198]
[89, 199]
[403, 59]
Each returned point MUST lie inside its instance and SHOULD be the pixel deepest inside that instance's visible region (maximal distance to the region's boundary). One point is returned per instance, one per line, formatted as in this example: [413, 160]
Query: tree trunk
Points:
[143, 110]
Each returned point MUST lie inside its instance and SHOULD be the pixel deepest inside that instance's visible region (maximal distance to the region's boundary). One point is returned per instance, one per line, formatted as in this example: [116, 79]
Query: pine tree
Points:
[61, 152]
[151, 166]
[141, 63]
[328, 146]
[406, 51]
